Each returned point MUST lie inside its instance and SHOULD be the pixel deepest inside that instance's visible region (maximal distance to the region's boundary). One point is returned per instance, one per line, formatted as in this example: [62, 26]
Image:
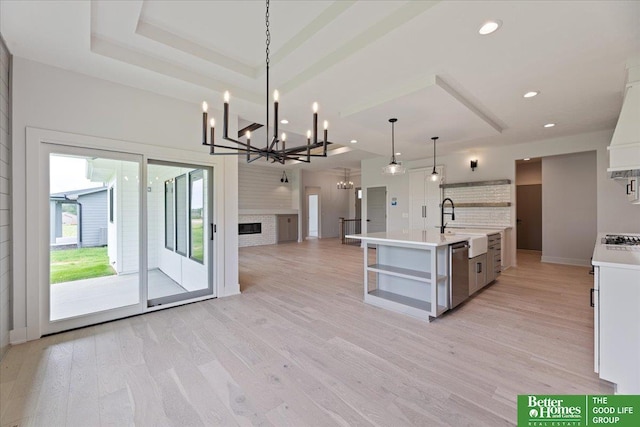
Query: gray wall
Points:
[94, 217]
[334, 203]
[569, 208]
[6, 278]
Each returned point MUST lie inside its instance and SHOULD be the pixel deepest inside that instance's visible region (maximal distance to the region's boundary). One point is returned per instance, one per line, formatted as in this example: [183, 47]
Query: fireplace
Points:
[250, 228]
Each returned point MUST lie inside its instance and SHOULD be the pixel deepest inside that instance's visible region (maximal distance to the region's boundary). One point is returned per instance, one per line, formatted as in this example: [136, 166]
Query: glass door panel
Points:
[180, 248]
[94, 234]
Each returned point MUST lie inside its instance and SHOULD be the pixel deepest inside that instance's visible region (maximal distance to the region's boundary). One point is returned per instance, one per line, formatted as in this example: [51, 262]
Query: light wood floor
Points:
[299, 347]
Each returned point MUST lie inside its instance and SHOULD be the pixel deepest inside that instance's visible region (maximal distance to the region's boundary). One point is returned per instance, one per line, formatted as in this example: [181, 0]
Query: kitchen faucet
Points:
[442, 214]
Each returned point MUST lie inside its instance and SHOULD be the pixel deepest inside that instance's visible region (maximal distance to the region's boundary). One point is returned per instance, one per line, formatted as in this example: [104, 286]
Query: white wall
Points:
[334, 203]
[5, 198]
[614, 213]
[569, 207]
[50, 98]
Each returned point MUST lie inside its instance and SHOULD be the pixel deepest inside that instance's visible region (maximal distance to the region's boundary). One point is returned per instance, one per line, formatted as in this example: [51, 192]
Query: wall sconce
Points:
[284, 177]
[474, 165]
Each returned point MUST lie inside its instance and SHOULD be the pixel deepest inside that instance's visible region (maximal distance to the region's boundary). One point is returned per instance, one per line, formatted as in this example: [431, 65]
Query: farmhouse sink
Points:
[478, 243]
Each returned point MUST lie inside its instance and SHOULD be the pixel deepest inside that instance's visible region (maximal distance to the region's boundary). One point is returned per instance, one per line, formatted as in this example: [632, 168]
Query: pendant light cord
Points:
[268, 43]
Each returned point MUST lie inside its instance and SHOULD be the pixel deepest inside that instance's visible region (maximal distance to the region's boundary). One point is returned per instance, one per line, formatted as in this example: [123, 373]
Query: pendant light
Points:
[434, 174]
[393, 168]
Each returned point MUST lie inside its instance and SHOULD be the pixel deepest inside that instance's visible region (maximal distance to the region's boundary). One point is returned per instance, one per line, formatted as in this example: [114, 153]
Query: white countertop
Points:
[616, 256]
[431, 238]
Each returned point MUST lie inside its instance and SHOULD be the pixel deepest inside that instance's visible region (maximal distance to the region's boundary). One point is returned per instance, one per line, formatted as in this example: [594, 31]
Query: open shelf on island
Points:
[401, 299]
[407, 273]
[403, 304]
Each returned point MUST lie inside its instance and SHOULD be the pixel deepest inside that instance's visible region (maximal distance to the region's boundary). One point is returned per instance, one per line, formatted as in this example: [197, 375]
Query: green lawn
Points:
[197, 239]
[76, 264]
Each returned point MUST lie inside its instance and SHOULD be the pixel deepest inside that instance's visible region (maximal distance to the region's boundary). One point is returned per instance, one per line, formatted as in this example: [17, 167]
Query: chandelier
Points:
[393, 168]
[275, 148]
[346, 184]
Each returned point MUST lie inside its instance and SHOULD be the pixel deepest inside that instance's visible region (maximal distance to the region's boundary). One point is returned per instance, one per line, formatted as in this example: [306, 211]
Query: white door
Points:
[417, 200]
[376, 209]
[313, 218]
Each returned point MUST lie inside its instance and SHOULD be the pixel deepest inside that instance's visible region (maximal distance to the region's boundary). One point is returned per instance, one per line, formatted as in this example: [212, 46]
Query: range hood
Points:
[624, 151]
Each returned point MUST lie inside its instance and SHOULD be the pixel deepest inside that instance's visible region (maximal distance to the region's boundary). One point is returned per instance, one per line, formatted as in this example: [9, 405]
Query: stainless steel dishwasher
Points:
[458, 273]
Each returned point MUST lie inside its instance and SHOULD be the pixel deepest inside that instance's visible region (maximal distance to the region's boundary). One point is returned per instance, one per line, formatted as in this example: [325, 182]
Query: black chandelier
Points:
[275, 149]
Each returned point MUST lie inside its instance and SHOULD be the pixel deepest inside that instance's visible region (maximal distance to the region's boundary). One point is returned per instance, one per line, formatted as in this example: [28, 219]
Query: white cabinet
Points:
[407, 279]
[633, 194]
[424, 198]
[617, 327]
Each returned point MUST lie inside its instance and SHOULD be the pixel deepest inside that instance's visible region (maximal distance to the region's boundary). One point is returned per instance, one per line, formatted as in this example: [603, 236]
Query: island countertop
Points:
[430, 238]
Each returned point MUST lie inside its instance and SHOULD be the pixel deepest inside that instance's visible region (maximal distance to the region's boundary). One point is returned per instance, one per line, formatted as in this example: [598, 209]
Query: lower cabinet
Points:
[477, 273]
[494, 259]
[287, 228]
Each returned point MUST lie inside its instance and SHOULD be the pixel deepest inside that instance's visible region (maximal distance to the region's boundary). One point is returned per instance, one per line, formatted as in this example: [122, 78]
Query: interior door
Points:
[313, 218]
[529, 216]
[376, 209]
[179, 232]
[94, 263]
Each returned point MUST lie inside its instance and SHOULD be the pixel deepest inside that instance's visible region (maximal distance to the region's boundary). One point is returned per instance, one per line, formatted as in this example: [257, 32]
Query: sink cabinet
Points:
[477, 273]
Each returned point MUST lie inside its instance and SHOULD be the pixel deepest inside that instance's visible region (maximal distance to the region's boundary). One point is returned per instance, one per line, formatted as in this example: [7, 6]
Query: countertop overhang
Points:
[430, 238]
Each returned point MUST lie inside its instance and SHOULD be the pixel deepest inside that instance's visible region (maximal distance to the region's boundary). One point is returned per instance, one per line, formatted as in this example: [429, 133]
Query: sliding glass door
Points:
[94, 237]
[179, 232]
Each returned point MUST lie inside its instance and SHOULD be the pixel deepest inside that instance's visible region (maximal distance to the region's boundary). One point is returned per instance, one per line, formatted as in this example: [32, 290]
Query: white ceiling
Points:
[363, 61]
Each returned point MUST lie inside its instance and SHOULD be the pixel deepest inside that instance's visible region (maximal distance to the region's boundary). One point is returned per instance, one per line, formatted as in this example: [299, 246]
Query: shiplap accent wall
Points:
[260, 188]
[6, 282]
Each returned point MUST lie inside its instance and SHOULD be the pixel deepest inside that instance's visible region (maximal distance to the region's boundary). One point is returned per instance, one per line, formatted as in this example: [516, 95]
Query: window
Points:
[181, 214]
[169, 212]
[110, 205]
[196, 220]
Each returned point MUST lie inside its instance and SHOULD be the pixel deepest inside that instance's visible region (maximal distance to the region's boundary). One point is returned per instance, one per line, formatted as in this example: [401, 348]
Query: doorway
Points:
[529, 204]
[313, 211]
[376, 209]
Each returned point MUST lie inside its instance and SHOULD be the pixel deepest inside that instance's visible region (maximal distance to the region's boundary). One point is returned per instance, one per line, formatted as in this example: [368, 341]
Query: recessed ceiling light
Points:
[489, 27]
[526, 159]
[398, 154]
[354, 141]
[284, 121]
[549, 125]
[531, 94]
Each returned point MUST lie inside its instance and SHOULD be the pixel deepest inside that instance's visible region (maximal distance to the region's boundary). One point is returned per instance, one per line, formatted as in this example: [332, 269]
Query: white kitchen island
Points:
[616, 301]
[408, 271]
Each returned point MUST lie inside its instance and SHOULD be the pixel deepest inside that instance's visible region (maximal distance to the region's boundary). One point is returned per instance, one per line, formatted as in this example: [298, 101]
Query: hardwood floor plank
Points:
[299, 347]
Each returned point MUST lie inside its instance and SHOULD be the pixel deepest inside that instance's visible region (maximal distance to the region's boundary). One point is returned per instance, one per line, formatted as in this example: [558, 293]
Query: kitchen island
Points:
[616, 301]
[408, 271]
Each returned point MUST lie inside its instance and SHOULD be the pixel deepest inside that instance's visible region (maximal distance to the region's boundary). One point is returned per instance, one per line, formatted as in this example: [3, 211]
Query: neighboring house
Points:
[91, 218]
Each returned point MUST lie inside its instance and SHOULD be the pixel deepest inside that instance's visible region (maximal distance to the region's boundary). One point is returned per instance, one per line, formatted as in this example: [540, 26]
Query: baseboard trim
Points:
[18, 336]
[566, 261]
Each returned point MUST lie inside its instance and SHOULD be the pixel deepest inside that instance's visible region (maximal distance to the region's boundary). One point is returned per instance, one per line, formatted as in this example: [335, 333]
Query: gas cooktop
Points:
[621, 240]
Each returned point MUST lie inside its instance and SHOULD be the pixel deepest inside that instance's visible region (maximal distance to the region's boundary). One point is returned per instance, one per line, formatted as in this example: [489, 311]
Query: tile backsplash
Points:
[488, 216]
